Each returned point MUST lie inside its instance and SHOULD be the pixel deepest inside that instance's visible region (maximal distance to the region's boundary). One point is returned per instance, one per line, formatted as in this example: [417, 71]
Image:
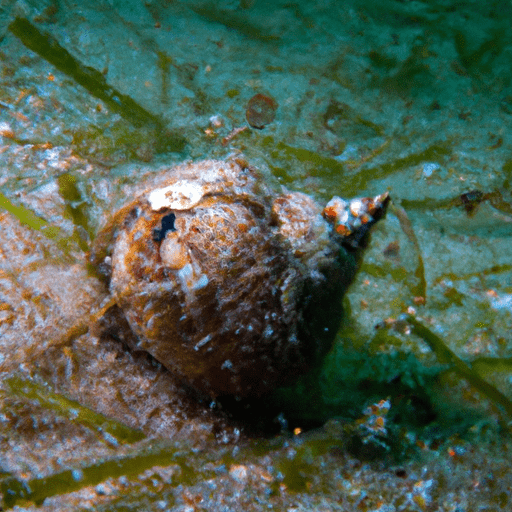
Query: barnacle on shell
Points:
[235, 288]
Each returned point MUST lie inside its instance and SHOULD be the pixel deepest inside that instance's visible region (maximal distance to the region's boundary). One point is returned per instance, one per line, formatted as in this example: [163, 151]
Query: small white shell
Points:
[173, 253]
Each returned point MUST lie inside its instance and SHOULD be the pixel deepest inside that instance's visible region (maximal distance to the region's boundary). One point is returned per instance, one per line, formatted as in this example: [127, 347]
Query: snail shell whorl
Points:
[234, 289]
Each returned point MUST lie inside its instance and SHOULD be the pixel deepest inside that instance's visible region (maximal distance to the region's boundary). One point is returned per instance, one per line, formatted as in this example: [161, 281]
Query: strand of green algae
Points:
[445, 355]
[30, 219]
[92, 80]
[38, 489]
[112, 431]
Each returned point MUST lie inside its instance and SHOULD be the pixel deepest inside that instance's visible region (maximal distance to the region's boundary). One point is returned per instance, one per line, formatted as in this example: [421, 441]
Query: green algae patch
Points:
[488, 366]
[365, 175]
[109, 430]
[419, 287]
[30, 219]
[341, 118]
[323, 164]
[38, 489]
[495, 269]
[235, 21]
[445, 355]
[454, 297]
[387, 269]
[477, 61]
[121, 142]
[300, 471]
[76, 207]
[291, 163]
[92, 80]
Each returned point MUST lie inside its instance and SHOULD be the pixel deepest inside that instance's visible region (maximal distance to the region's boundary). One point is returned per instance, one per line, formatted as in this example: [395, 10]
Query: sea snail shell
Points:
[234, 288]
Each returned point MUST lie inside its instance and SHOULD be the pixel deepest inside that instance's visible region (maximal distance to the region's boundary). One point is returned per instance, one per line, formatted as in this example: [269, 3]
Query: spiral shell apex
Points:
[234, 288]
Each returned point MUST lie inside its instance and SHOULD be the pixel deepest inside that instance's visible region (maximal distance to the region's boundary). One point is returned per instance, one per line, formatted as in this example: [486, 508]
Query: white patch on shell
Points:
[191, 279]
[357, 207]
[185, 274]
[226, 365]
[201, 282]
[182, 195]
[337, 203]
[202, 342]
[173, 253]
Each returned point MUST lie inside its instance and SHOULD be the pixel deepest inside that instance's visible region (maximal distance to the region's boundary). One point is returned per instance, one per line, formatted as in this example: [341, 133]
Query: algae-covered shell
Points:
[235, 288]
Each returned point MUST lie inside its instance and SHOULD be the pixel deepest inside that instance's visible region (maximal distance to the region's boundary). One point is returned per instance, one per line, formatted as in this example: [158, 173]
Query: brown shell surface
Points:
[242, 294]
